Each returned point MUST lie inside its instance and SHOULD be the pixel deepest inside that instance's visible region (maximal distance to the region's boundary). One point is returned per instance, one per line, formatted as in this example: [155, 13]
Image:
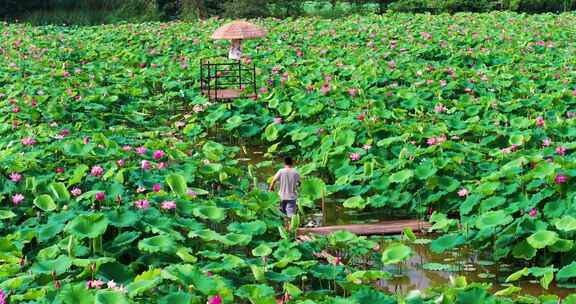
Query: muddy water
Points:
[414, 274]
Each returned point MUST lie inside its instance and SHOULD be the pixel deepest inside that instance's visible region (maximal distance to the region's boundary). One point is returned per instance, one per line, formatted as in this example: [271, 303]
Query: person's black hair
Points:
[288, 161]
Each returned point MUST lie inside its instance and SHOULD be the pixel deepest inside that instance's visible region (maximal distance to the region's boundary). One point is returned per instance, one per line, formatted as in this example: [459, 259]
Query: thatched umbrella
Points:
[239, 30]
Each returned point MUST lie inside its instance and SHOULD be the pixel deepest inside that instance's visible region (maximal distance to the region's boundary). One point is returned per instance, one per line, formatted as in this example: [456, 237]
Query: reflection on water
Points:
[416, 273]
[412, 274]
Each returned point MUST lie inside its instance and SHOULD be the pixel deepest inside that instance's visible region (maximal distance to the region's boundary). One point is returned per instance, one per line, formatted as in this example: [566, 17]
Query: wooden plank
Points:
[388, 227]
[227, 94]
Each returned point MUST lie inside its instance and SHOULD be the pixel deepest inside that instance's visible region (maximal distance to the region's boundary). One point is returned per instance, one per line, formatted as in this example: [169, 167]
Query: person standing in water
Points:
[289, 181]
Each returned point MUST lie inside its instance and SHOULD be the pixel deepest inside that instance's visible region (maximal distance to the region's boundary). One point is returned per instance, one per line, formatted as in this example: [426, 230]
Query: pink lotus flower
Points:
[263, 90]
[59, 170]
[15, 177]
[355, 156]
[278, 120]
[86, 140]
[431, 141]
[217, 299]
[94, 284]
[533, 212]
[146, 165]
[392, 64]
[96, 171]
[157, 188]
[28, 141]
[168, 205]
[141, 150]
[440, 108]
[76, 192]
[158, 154]
[162, 165]
[443, 82]
[142, 204]
[191, 193]
[540, 121]
[111, 284]
[561, 150]
[3, 297]
[353, 92]
[463, 192]
[506, 150]
[546, 142]
[17, 198]
[65, 132]
[15, 109]
[366, 147]
[127, 148]
[100, 196]
[120, 162]
[560, 179]
[325, 89]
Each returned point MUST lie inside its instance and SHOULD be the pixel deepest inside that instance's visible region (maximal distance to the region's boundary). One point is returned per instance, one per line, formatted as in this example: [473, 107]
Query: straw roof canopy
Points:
[239, 30]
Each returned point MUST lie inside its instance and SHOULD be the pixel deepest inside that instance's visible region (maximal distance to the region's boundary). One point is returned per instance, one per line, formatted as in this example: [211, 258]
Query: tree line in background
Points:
[108, 11]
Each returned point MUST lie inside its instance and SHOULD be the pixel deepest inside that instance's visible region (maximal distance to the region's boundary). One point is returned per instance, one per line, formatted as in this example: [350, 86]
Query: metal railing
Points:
[231, 74]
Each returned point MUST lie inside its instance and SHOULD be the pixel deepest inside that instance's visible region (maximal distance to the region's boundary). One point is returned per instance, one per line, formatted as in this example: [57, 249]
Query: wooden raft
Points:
[388, 227]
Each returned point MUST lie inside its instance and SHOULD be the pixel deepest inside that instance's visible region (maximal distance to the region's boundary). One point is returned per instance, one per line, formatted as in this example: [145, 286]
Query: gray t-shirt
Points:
[289, 180]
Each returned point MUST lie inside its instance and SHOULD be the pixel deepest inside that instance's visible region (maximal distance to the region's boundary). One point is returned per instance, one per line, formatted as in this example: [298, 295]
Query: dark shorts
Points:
[288, 207]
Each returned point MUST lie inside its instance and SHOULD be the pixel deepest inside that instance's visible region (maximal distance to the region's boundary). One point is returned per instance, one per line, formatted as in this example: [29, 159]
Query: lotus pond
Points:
[120, 183]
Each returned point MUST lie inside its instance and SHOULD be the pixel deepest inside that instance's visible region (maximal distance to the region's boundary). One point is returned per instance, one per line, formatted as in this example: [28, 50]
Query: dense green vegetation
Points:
[111, 11]
[118, 187]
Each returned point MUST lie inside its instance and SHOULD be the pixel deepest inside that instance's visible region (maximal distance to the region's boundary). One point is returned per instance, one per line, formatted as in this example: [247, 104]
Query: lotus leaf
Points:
[493, 219]
[543, 238]
[160, 243]
[88, 225]
[110, 297]
[45, 203]
[567, 272]
[567, 223]
[396, 253]
[177, 183]
[210, 213]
